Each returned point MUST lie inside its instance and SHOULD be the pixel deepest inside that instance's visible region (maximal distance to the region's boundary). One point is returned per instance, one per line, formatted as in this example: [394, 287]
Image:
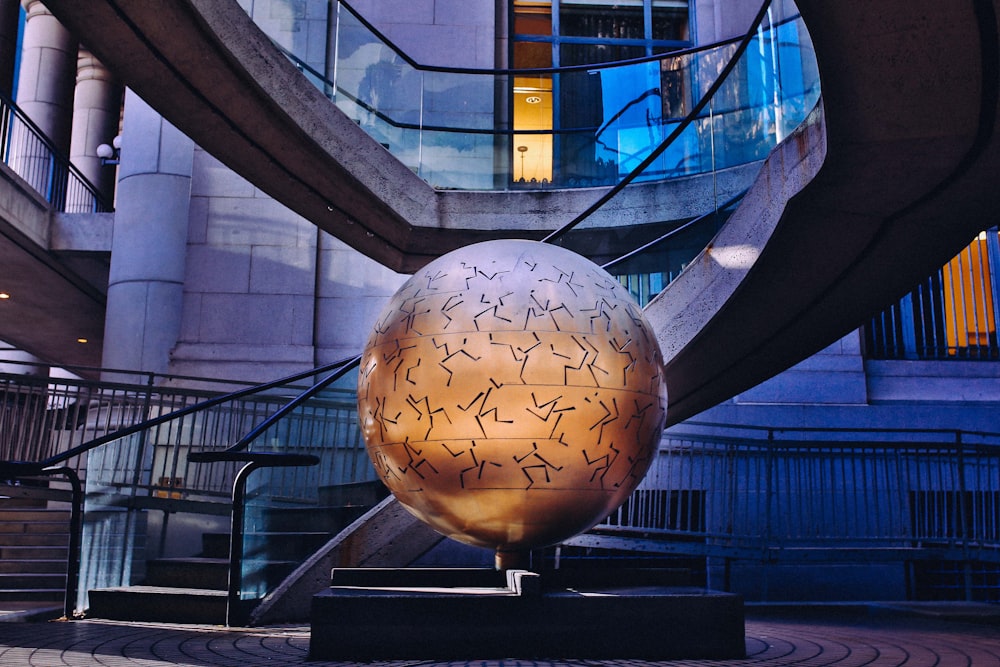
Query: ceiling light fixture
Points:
[4, 295]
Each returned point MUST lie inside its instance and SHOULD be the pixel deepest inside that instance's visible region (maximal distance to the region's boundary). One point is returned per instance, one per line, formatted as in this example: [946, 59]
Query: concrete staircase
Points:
[34, 545]
[194, 589]
[188, 590]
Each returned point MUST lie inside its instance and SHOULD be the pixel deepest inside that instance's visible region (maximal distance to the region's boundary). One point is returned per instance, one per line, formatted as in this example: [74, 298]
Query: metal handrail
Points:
[400, 58]
[773, 433]
[254, 461]
[196, 407]
[812, 494]
[52, 465]
[62, 173]
[931, 451]
[443, 69]
[674, 232]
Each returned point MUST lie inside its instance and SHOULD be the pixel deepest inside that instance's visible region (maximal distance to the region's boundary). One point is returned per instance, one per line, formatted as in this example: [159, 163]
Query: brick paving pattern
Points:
[804, 640]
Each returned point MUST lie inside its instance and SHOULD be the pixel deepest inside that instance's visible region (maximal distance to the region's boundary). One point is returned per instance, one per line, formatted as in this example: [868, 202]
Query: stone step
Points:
[272, 545]
[32, 552]
[208, 573]
[21, 526]
[200, 573]
[41, 566]
[283, 546]
[33, 595]
[159, 604]
[34, 514]
[32, 580]
[306, 519]
[24, 611]
[13, 503]
[33, 539]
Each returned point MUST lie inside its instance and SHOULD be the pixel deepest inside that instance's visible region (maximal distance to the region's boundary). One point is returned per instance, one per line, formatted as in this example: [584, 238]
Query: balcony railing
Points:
[32, 156]
[457, 128]
[817, 496]
[951, 315]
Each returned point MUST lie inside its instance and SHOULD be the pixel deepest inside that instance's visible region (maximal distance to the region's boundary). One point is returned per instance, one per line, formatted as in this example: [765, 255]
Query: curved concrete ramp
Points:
[385, 536]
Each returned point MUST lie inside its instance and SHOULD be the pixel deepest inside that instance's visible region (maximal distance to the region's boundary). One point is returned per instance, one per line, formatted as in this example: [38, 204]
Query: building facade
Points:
[207, 276]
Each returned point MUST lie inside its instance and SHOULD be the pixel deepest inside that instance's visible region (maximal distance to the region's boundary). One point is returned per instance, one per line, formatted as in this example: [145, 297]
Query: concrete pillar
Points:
[96, 113]
[48, 74]
[45, 94]
[10, 14]
[145, 287]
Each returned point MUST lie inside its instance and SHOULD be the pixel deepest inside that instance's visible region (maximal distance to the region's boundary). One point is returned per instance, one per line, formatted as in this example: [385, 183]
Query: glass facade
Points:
[563, 34]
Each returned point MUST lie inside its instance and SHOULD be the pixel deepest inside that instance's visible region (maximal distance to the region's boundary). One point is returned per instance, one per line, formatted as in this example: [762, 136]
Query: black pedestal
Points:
[377, 614]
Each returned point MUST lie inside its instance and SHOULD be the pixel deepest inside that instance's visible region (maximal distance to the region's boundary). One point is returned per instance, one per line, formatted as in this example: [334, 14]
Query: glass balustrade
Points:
[572, 127]
[290, 512]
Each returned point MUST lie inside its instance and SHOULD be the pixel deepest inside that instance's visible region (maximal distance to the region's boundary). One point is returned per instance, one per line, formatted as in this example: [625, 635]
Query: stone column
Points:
[45, 94]
[145, 286]
[10, 11]
[96, 113]
[48, 74]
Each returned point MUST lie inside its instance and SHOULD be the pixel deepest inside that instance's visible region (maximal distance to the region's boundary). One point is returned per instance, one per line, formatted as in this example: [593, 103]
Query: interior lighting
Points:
[4, 296]
[82, 340]
[522, 150]
[533, 99]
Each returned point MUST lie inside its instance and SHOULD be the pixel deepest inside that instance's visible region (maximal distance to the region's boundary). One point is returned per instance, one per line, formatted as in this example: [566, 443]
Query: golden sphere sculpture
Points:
[511, 394]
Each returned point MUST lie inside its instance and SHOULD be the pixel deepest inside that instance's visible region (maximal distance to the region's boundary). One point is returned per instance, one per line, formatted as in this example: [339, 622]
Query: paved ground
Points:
[943, 636]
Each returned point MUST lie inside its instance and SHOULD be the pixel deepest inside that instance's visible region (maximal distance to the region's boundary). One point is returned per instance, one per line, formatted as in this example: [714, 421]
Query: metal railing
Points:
[253, 457]
[776, 495]
[141, 485]
[952, 314]
[647, 270]
[32, 156]
[714, 491]
[43, 417]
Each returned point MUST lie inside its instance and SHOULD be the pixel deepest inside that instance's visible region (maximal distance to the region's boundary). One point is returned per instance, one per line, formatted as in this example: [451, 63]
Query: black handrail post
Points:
[253, 460]
[236, 543]
[18, 469]
[75, 538]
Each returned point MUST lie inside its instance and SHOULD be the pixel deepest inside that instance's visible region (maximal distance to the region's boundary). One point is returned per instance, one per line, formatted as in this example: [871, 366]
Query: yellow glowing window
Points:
[968, 298]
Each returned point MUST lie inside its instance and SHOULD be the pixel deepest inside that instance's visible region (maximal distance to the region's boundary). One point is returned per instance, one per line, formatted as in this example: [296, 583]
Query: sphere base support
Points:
[470, 614]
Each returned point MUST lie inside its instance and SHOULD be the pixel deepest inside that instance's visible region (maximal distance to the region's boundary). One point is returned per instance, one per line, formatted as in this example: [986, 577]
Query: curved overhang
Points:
[889, 180]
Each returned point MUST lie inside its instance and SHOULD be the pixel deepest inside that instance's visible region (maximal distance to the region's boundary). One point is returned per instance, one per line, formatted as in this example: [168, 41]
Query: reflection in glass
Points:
[581, 127]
